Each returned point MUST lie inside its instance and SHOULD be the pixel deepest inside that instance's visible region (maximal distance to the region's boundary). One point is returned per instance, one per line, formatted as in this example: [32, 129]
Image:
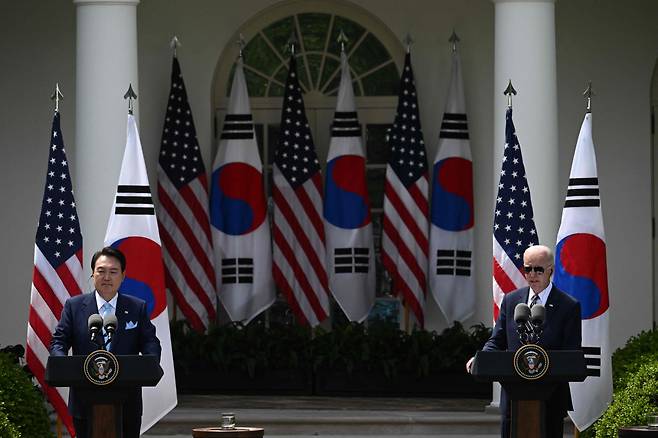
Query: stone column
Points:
[525, 53]
[106, 63]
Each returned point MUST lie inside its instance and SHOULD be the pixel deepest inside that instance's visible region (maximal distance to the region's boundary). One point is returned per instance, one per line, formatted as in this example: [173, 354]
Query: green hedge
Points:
[633, 403]
[349, 347]
[22, 402]
[7, 428]
[639, 349]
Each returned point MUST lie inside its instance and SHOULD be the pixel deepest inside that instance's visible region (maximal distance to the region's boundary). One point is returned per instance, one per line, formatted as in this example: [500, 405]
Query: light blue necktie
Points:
[106, 309]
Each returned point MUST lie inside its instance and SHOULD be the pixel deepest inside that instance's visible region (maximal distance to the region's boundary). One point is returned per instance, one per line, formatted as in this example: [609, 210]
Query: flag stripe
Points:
[191, 280]
[300, 274]
[191, 315]
[179, 225]
[410, 298]
[407, 218]
[410, 262]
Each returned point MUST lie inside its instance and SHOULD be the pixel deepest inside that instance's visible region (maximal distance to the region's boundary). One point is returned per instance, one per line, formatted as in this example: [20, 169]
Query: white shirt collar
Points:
[543, 295]
[100, 301]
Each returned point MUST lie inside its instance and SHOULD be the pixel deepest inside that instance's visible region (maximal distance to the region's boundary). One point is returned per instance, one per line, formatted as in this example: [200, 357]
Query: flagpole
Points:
[130, 95]
[57, 96]
[175, 44]
[588, 94]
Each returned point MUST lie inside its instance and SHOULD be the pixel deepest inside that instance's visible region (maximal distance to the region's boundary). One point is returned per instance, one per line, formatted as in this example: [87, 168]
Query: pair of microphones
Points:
[96, 323]
[529, 322]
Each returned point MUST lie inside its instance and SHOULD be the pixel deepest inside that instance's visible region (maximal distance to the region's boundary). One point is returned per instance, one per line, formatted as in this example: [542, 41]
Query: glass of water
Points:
[228, 420]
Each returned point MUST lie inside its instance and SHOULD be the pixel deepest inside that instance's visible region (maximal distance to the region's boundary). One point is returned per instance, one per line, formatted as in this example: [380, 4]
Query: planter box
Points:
[374, 384]
[204, 379]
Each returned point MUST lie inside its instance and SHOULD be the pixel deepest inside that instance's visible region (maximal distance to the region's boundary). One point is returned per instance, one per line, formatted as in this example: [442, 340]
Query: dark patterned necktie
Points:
[534, 301]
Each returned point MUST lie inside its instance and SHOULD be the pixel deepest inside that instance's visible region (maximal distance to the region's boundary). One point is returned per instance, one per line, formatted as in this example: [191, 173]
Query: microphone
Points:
[94, 324]
[110, 325]
[537, 318]
[521, 316]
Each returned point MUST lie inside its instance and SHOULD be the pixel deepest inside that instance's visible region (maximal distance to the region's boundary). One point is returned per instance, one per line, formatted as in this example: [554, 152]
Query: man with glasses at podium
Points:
[561, 331]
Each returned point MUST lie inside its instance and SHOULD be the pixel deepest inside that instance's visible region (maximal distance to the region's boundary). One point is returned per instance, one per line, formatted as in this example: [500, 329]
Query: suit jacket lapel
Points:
[89, 308]
[120, 313]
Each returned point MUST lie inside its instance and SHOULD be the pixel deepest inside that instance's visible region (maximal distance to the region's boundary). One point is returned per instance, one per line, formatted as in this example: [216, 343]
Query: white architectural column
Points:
[106, 63]
[525, 53]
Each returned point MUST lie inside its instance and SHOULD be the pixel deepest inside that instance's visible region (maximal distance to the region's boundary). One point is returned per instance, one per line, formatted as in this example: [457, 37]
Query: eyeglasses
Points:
[537, 269]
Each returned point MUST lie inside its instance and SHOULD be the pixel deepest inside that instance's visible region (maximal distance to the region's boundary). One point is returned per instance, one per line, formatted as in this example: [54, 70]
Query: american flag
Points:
[57, 273]
[183, 211]
[298, 261]
[405, 224]
[514, 227]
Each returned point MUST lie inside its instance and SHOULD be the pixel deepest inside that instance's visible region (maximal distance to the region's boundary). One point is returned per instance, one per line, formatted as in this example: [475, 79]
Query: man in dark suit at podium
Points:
[134, 333]
[561, 331]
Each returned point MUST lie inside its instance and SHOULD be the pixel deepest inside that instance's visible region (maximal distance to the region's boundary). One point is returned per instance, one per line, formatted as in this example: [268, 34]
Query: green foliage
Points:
[639, 349]
[238, 347]
[350, 347]
[7, 428]
[22, 403]
[631, 404]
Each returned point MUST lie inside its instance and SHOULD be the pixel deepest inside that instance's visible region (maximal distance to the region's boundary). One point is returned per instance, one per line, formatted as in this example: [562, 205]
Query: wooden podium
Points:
[528, 395]
[104, 400]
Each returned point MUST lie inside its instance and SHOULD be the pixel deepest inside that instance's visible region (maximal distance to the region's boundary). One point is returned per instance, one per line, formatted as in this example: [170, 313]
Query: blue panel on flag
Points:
[452, 194]
[346, 195]
[237, 203]
[142, 279]
[580, 270]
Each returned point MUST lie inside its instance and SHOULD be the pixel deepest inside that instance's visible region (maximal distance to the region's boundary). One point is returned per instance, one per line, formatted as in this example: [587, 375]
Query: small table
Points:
[637, 431]
[236, 432]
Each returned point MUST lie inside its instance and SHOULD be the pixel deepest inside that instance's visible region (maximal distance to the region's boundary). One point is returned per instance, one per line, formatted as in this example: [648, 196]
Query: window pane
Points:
[314, 28]
[352, 30]
[376, 147]
[376, 179]
[368, 55]
[258, 127]
[330, 66]
[259, 55]
[272, 140]
[314, 65]
[383, 82]
[279, 33]
[257, 85]
[275, 90]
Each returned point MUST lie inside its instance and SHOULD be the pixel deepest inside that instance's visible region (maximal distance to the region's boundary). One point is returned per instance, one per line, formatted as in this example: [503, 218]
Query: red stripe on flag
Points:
[501, 277]
[300, 234]
[284, 286]
[195, 322]
[300, 274]
[39, 327]
[407, 218]
[198, 211]
[190, 279]
[310, 208]
[407, 293]
[46, 292]
[188, 234]
[405, 253]
[420, 197]
[69, 281]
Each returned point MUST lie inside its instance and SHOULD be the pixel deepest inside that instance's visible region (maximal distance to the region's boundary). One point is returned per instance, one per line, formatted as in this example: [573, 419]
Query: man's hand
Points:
[469, 365]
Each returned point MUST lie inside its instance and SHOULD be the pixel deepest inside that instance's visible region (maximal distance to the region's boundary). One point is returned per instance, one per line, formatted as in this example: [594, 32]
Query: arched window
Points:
[375, 56]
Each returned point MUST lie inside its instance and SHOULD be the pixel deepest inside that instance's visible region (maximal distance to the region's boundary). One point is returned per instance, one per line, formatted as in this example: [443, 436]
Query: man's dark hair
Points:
[109, 251]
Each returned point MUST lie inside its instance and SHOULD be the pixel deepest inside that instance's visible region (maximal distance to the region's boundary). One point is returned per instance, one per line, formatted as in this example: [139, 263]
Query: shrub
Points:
[22, 403]
[633, 403]
[7, 428]
[639, 349]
